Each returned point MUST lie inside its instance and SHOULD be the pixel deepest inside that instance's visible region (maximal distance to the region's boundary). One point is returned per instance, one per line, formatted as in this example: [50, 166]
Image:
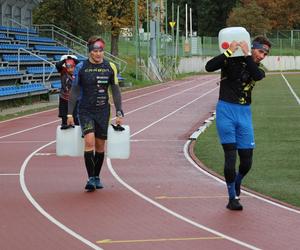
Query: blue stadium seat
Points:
[51, 48]
[17, 30]
[34, 38]
[8, 90]
[9, 71]
[23, 58]
[56, 85]
[11, 46]
[40, 70]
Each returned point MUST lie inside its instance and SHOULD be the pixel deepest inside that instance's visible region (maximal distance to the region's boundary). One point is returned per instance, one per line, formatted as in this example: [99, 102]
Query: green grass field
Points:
[276, 164]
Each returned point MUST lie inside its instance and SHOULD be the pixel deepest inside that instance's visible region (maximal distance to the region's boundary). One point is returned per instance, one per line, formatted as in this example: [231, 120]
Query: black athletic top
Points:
[91, 84]
[66, 81]
[238, 77]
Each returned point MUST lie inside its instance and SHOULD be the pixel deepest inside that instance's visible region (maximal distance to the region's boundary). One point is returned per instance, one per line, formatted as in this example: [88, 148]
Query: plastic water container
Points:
[69, 142]
[118, 143]
[227, 35]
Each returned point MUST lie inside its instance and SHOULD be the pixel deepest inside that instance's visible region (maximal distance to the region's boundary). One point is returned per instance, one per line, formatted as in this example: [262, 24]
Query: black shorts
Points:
[95, 121]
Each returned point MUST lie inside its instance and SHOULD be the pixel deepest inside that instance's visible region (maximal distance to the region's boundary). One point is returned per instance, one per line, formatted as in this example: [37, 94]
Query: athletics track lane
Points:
[161, 119]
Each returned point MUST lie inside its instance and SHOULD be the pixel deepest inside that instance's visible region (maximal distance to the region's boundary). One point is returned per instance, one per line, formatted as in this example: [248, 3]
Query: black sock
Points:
[99, 157]
[89, 162]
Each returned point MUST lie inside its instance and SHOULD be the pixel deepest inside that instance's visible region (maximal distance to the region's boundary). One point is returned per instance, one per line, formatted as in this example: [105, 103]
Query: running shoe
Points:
[91, 184]
[98, 183]
[234, 204]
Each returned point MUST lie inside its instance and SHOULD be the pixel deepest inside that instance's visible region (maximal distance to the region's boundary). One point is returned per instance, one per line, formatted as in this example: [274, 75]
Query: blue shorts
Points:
[234, 124]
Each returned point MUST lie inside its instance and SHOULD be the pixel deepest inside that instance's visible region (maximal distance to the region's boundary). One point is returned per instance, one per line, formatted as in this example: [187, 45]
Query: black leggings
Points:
[245, 156]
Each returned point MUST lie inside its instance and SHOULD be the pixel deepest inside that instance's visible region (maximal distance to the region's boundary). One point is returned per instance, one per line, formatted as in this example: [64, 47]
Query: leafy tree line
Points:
[84, 18]
[257, 16]
[89, 17]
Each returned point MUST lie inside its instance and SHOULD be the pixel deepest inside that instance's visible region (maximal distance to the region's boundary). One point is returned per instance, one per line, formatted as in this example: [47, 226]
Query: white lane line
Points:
[145, 106]
[187, 156]
[171, 212]
[26, 116]
[156, 204]
[170, 96]
[9, 174]
[28, 129]
[20, 142]
[291, 89]
[33, 201]
[182, 107]
[161, 89]
[41, 210]
[156, 140]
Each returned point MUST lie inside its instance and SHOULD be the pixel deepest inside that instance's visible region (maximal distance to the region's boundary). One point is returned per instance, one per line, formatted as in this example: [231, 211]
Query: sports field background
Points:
[276, 163]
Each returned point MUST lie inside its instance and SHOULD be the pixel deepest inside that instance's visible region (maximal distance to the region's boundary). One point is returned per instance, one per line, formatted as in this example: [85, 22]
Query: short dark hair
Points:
[262, 40]
[93, 39]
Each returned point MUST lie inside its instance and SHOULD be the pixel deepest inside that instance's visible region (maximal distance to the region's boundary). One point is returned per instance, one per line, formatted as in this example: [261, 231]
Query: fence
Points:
[284, 42]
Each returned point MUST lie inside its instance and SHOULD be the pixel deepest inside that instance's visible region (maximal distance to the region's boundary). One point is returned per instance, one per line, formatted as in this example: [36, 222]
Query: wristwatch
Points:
[119, 113]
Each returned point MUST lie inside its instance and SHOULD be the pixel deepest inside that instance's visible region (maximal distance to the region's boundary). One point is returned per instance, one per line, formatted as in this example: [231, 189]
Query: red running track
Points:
[157, 199]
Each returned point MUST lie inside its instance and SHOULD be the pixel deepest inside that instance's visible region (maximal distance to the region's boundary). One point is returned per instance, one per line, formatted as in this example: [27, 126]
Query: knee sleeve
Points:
[245, 160]
[230, 160]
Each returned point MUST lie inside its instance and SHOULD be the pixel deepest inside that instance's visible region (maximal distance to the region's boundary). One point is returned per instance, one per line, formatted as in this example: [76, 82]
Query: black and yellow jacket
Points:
[238, 77]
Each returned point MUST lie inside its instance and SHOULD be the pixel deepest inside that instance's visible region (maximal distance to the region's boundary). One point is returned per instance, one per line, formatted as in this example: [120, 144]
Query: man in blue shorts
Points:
[93, 77]
[233, 112]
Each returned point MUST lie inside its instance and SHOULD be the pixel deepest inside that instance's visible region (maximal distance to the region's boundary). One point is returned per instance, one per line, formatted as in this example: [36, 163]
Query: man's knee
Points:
[230, 161]
[245, 160]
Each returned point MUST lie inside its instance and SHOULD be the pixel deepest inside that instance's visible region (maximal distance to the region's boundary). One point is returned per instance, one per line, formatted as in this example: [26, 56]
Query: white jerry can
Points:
[69, 142]
[118, 142]
[227, 35]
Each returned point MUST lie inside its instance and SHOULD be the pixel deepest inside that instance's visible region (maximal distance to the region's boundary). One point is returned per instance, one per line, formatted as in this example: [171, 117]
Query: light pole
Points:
[137, 40]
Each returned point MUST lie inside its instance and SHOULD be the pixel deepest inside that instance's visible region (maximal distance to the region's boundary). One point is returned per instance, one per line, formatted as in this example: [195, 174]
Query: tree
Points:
[208, 16]
[116, 14]
[250, 16]
[68, 15]
[283, 14]
[265, 15]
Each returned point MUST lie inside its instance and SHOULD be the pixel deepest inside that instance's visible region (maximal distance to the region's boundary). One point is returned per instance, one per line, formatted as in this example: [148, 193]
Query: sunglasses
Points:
[69, 65]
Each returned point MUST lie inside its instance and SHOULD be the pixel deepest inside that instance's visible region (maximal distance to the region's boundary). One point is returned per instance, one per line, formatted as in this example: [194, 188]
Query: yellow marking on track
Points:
[193, 197]
[109, 241]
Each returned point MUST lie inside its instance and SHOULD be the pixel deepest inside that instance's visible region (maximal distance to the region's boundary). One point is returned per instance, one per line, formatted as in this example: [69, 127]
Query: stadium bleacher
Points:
[9, 72]
[27, 63]
[34, 39]
[13, 91]
[23, 58]
[17, 30]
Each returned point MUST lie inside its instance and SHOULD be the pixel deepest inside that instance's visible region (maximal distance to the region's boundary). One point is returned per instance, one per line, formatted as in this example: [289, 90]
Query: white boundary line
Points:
[291, 89]
[25, 116]
[28, 129]
[9, 174]
[33, 201]
[187, 156]
[41, 210]
[156, 204]
[74, 234]
[178, 216]
[170, 96]
[159, 90]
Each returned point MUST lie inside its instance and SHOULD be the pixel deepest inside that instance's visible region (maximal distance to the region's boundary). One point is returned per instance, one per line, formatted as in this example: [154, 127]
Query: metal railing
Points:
[44, 61]
[22, 25]
[78, 45]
